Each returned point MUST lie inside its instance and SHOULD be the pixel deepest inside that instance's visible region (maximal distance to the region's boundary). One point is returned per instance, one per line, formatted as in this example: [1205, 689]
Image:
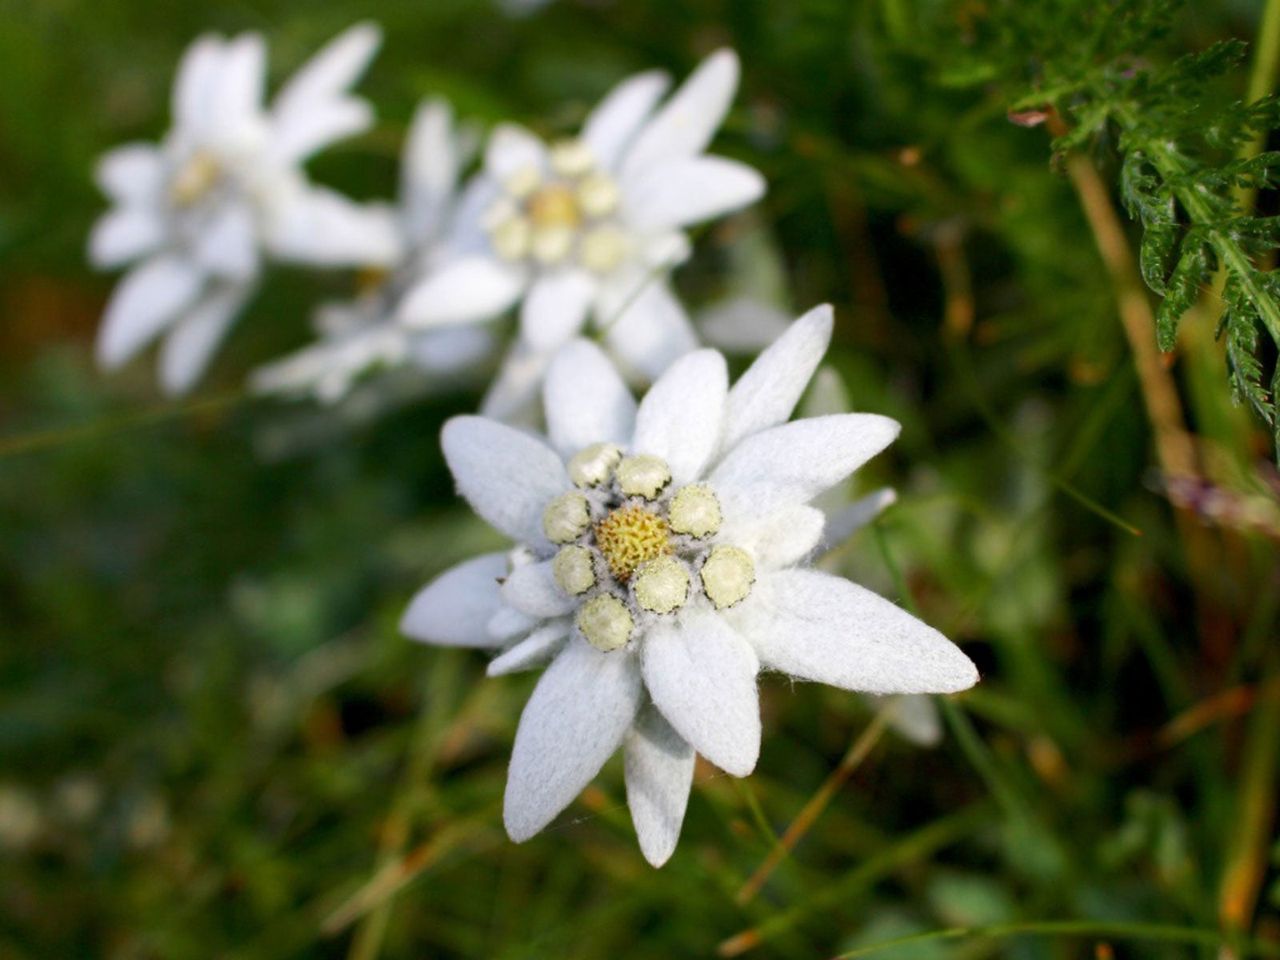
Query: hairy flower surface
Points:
[660, 568]
[366, 332]
[586, 229]
[225, 187]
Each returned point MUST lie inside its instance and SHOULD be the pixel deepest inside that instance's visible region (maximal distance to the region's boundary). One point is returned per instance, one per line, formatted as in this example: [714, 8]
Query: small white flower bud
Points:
[196, 178]
[694, 510]
[602, 249]
[605, 622]
[511, 238]
[661, 585]
[550, 245]
[566, 517]
[572, 158]
[642, 476]
[727, 576]
[573, 570]
[593, 465]
[598, 195]
[523, 182]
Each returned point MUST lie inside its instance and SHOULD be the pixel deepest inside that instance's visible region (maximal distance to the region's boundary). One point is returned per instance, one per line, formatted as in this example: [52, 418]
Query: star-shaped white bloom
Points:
[366, 332]
[588, 229]
[224, 188]
[660, 565]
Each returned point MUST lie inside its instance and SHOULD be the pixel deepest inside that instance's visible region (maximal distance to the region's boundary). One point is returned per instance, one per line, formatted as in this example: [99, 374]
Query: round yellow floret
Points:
[643, 476]
[605, 622]
[566, 517]
[661, 585]
[573, 570]
[727, 576]
[629, 536]
[695, 510]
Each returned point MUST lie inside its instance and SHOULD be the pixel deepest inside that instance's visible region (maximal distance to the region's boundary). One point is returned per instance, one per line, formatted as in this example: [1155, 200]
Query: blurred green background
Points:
[214, 743]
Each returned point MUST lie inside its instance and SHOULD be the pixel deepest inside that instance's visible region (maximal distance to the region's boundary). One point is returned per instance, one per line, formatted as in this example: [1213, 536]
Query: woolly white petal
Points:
[576, 718]
[508, 623]
[236, 101]
[702, 676]
[451, 348]
[659, 771]
[466, 291]
[198, 76]
[506, 475]
[556, 308]
[429, 170]
[769, 390]
[313, 109]
[612, 124]
[189, 346]
[688, 121]
[586, 400]
[454, 609]
[131, 174]
[793, 463]
[780, 539]
[689, 190]
[511, 150]
[680, 417]
[513, 394]
[124, 234]
[535, 649]
[815, 626]
[147, 300]
[651, 330]
[532, 589]
[844, 522]
[228, 245]
[321, 226]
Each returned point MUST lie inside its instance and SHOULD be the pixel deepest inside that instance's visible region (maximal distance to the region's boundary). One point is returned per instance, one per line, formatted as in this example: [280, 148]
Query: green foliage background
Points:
[214, 743]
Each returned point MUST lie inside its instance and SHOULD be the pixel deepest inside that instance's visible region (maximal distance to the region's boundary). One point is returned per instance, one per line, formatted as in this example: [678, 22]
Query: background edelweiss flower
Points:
[660, 567]
[224, 187]
[366, 331]
[588, 228]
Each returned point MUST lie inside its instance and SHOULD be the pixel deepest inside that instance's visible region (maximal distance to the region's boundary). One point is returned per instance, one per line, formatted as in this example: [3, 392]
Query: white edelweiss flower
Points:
[587, 229]
[914, 716]
[660, 567]
[222, 190]
[366, 332]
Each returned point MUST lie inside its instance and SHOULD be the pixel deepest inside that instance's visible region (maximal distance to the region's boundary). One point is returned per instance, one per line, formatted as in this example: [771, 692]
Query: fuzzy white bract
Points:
[587, 229]
[223, 189]
[366, 332]
[913, 716]
[660, 567]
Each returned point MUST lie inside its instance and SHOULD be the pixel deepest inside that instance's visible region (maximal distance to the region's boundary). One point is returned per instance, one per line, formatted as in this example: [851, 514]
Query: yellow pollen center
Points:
[554, 206]
[630, 536]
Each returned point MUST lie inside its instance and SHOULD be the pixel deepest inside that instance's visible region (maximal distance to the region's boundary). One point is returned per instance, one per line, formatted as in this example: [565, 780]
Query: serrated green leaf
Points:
[1183, 288]
[1159, 246]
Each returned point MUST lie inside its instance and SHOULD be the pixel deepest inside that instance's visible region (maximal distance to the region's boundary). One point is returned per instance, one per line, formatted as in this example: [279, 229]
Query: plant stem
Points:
[859, 748]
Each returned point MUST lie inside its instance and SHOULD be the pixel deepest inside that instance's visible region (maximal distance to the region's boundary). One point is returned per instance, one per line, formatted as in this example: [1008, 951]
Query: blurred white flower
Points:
[222, 190]
[659, 567]
[913, 716]
[589, 228]
[366, 332]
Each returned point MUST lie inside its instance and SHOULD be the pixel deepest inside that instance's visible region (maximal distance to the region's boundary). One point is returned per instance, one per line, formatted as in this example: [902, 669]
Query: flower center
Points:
[566, 213]
[631, 547]
[195, 179]
[630, 536]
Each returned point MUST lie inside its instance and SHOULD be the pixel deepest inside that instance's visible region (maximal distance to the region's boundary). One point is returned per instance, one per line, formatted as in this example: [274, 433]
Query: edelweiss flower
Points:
[589, 227]
[659, 565]
[366, 332]
[224, 187]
